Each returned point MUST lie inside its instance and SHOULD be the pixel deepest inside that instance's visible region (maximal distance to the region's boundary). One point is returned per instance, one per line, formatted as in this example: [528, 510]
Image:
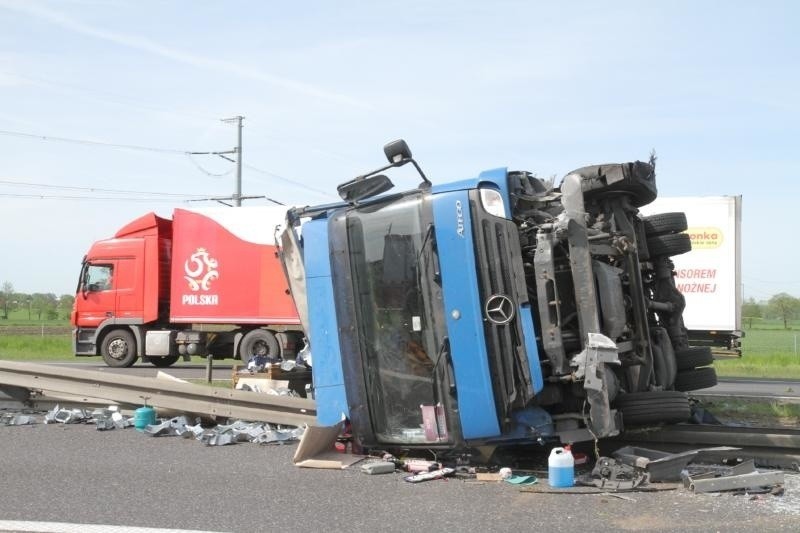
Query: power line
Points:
[208, 172]
[187, 153]
[94, 189]
[91, 143]
[288, 180]
[66, 197]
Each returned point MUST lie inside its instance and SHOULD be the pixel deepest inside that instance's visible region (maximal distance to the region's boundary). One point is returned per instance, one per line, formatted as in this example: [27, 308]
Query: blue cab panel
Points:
[462, 309]
[328, 376]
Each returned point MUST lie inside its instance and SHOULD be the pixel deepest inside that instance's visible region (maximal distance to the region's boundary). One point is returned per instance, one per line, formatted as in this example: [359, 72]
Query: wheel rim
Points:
[260, 348]
[118, 349]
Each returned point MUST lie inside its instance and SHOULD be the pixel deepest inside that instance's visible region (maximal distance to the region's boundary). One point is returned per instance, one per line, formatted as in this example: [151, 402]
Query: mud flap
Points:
[599, 351]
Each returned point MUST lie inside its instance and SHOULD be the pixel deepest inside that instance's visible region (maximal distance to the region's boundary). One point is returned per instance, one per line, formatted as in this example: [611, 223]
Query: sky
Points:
[101, 100]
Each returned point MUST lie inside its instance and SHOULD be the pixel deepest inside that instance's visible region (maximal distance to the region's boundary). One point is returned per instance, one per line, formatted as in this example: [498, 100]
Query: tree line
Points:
[39, 305]
[48, 306]
[781, 306]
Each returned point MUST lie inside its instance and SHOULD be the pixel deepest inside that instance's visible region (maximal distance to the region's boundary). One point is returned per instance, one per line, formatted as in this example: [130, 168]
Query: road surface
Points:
[77, 475]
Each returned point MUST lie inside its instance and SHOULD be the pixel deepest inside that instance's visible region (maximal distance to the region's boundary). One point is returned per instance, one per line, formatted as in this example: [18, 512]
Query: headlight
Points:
[493, 203]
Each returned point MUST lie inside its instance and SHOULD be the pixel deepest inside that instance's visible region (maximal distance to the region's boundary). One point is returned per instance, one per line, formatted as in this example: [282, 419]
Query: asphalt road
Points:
[75, 474]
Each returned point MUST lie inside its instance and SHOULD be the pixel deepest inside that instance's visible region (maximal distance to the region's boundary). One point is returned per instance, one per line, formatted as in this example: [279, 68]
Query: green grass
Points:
[754, 412]
[36, 347]
[766, 353]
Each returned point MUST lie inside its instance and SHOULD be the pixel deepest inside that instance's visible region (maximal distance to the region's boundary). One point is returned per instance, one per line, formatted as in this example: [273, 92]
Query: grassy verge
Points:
[766, 353]
[760, 413]
[36, 347]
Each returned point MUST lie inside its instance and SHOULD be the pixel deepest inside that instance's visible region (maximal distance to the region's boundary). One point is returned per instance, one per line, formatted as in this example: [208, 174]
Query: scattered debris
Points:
[611, 474]
[9, 419]
[378, 467]
[521, 480]
[66, 416]
[107, 419]
[427, 476]
[316, 449]
[743, 476]
[661, 466]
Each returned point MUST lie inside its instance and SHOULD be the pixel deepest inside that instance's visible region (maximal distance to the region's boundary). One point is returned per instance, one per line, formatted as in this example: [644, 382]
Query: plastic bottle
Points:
[561, 468]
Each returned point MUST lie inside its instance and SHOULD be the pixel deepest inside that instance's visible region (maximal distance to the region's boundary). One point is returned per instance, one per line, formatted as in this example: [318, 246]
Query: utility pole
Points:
[238, 199]
[237, 195]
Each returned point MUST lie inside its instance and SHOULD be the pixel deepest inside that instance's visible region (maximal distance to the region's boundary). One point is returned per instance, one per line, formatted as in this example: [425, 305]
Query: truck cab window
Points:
[98, 278]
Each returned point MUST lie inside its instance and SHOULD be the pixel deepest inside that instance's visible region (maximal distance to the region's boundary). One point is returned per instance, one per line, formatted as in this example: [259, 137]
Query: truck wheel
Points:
[664, 223]
[693, 357]
[163, 362]
[655, 407]
[670, 244]
[699, 378]
[259, 342]
[119, 348]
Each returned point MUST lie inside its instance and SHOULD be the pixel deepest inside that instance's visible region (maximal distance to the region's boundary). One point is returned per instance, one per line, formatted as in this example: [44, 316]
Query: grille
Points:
[497, 252]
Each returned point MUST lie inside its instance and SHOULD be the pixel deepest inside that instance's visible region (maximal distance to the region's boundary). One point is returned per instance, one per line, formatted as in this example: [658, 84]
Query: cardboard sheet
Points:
[316, 449]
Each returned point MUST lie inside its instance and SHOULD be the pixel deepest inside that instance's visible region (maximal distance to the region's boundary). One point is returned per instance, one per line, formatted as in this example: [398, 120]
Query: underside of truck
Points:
[608, 310]
[499, 310]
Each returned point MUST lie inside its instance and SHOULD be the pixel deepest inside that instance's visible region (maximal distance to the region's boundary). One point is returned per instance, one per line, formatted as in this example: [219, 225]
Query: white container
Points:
[561, 468]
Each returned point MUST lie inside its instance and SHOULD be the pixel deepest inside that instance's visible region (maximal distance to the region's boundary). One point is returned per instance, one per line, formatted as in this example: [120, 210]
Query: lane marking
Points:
[64, 527]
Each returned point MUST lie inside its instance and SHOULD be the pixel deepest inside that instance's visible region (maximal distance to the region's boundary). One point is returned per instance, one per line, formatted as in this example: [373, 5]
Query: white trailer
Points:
[709, 276]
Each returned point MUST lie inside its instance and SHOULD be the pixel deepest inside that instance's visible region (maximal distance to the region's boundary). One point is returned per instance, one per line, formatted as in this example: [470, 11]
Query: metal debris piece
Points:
[612, 475]
[662, 466]
[174, 426]
[10, 419]
[66, 416]
[280, 435]
[240, 431]
[222, 439]
[742, 476]
[108, 419]
[753, 480]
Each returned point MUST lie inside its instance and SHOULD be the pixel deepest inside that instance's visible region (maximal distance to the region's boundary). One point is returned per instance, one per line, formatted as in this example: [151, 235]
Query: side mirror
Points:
[361, 188]
[397, 151]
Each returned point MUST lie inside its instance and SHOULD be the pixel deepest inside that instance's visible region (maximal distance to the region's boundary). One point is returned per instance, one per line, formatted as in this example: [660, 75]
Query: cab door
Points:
[96, 300]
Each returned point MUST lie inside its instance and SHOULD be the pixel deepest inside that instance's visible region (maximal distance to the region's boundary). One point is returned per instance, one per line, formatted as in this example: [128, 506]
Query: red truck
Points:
[206, 282]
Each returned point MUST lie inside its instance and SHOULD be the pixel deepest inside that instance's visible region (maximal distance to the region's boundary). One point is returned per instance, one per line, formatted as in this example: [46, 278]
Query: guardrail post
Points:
[209, 365]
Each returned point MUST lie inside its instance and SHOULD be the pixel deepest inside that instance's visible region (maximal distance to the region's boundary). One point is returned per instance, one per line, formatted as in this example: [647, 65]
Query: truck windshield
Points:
[398, 305]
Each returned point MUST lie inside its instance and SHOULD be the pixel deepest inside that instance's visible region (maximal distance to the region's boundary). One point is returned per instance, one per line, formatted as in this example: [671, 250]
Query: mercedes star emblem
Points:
[499, 309]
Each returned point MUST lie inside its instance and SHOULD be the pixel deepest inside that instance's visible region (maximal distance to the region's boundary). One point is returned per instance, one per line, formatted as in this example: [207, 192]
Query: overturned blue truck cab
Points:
[499, 309]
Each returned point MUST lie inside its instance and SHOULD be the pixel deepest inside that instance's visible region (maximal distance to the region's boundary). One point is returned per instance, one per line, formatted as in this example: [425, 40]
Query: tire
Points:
[259, 342]
[670, 244]
[657, 407]
[664, 223]
[119, 348]
[699, 378]
[693, 357]
[163, 362]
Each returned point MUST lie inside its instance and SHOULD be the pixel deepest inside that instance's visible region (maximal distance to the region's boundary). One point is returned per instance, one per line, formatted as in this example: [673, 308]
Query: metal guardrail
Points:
[135, 390]
[769, 447]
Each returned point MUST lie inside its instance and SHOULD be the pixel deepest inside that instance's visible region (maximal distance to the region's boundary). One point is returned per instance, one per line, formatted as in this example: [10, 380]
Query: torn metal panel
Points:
[751, 480]
[662, 466]
[182, 397]
[599, 351]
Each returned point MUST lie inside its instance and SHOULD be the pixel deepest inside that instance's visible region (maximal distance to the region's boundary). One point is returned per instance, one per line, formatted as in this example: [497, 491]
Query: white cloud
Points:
[147, 45]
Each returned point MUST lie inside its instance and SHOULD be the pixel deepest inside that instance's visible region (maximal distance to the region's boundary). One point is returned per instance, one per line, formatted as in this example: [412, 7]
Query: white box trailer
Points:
[709, 276]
